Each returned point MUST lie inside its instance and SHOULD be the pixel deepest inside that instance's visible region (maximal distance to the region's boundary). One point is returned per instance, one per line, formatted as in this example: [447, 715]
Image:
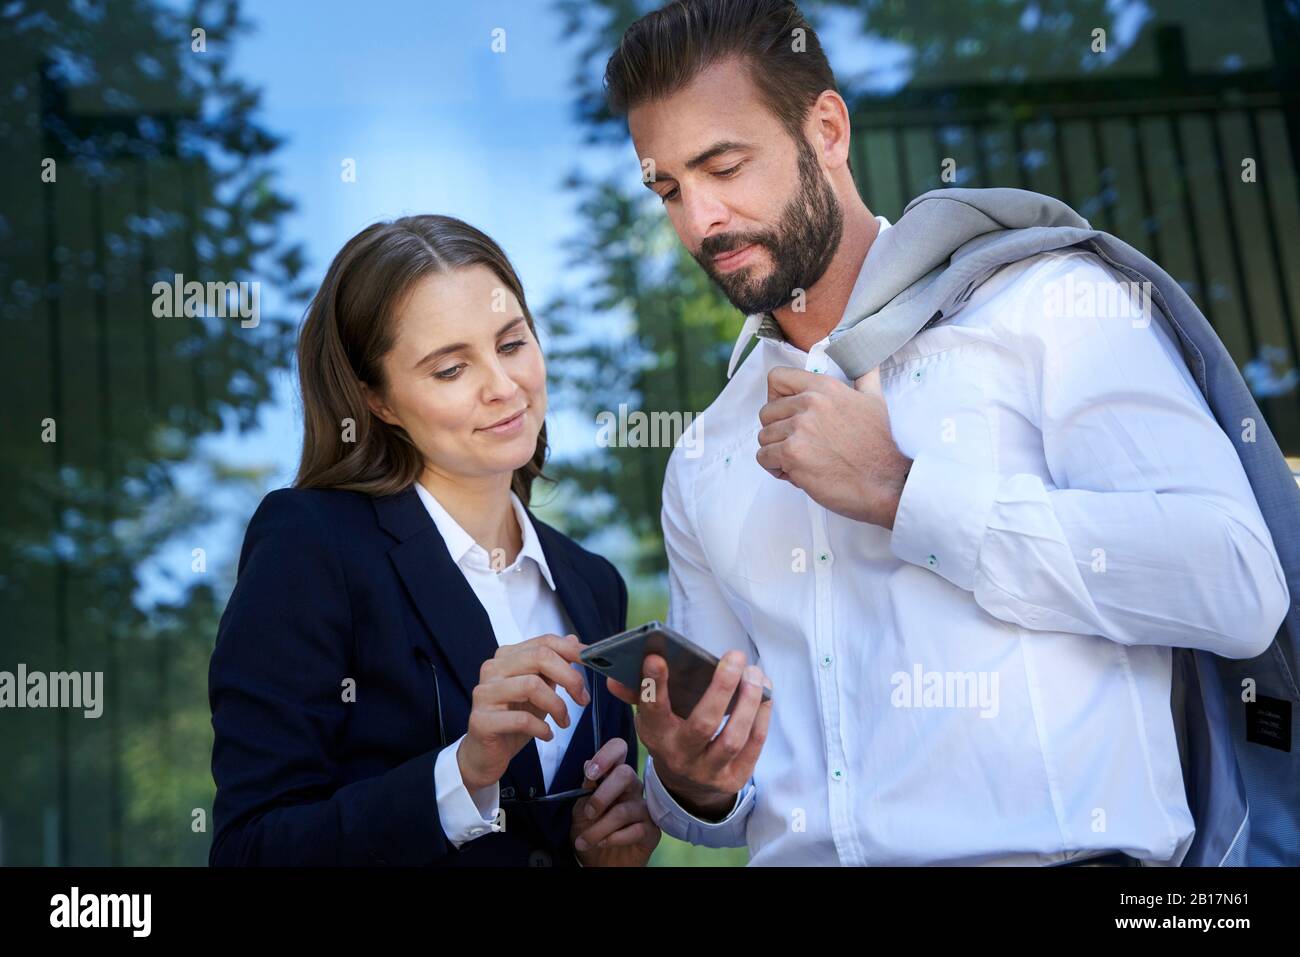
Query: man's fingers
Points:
[869, 382]
[777, 431]
[773, 459]
[654, 707]
[735, 735]
[698, 730]
[621, 691]
[748, 756]
[787, 380]
[781, 408]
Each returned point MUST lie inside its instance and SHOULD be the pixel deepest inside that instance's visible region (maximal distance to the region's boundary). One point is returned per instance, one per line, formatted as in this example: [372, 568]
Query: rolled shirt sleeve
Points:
[1147, 532]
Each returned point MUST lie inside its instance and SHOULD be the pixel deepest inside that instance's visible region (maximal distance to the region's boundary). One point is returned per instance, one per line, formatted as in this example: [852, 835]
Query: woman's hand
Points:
[516, 690]
[612, 828]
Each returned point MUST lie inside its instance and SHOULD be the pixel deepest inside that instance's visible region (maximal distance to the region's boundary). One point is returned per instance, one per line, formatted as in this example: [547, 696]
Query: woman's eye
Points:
[448, 374]
[513, 346]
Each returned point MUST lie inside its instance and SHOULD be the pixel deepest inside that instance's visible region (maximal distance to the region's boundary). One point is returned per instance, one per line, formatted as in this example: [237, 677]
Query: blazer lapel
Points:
[576, 596]
[448, 606]
[456, 624]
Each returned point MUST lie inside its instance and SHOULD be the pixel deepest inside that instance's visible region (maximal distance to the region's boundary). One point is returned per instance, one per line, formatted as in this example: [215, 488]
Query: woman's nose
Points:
[500, 385]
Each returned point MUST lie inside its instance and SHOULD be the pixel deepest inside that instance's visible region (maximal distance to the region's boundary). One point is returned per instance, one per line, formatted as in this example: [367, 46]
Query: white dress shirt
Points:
[521, 602]
[990, 683]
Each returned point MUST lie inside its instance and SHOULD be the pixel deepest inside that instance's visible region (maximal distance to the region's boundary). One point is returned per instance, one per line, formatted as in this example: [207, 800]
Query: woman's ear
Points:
[378, 406]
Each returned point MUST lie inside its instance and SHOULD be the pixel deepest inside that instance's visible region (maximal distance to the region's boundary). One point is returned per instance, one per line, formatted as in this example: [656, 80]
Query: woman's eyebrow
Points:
[458, 346]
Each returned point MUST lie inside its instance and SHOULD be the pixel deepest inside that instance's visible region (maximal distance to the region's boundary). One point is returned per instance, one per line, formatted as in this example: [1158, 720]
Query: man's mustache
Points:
[717, 245]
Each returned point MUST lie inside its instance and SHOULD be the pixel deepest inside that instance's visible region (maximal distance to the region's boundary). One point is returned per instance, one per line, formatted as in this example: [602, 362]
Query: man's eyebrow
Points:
[717, 149]
[458, 346]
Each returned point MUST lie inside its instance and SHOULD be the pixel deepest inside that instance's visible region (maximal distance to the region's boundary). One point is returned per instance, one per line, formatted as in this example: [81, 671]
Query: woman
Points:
[395, 678]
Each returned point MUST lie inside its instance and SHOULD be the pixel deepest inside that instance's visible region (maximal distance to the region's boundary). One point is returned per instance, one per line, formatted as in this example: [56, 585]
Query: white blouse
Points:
[521, 602]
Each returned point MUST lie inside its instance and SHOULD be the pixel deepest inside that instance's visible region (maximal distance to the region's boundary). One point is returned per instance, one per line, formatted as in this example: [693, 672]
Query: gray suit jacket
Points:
[1240, 771]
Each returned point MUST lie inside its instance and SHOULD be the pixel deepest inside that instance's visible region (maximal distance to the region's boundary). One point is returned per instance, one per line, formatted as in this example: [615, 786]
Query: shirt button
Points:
[825, 558]
[932, 562]
[837, 774]
[917, 375]
[826, 661]
[539, 859]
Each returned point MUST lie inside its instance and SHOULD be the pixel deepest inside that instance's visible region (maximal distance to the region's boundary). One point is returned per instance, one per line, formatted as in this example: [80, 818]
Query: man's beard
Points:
[801, 246]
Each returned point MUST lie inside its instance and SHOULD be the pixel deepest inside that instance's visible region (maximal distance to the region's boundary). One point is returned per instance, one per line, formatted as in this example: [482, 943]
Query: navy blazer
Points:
[337, 585]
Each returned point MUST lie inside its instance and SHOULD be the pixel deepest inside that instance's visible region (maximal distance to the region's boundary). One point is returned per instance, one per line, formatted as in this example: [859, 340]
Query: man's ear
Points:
[378, 406]
[830, 115]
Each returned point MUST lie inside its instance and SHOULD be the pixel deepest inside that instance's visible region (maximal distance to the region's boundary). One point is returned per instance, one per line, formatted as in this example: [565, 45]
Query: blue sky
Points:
[436, 122]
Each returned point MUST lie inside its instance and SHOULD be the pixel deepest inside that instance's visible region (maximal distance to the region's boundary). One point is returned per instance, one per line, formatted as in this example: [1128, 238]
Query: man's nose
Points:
[705, 214]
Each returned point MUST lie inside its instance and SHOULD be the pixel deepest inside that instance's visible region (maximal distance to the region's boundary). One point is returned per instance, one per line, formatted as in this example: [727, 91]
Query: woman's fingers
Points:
[534, 694]
[623, 814]
[619, 782]
[540, 658]
[642, 834]
[611, 754]
[485, 724]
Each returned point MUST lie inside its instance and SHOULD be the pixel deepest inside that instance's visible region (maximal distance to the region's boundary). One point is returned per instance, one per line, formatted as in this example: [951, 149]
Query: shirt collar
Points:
[764, 324]
[460, 543]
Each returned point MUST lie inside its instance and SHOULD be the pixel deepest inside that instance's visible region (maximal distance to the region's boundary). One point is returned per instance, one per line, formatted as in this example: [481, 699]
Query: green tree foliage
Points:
[159, 167]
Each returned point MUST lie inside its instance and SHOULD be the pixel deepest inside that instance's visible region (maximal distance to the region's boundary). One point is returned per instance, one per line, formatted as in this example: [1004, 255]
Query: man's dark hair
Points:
[665, 50]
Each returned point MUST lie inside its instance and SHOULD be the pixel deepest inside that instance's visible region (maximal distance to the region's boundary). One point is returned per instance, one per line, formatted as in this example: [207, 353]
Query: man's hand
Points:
[833, 442]
[702, 772]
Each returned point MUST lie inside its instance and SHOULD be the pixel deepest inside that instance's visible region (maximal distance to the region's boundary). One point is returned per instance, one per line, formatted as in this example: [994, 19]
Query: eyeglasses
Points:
[507, 794]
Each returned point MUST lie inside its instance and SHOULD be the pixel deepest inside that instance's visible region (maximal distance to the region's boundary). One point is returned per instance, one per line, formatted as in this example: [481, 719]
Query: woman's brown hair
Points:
[349, 329]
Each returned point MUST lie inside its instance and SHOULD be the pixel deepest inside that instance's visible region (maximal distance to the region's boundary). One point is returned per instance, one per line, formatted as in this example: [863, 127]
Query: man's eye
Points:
[728, 172]
[668, 195]
[447, 375]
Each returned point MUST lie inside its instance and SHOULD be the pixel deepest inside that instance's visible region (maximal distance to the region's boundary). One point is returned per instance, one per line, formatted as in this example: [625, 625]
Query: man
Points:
[965, 571]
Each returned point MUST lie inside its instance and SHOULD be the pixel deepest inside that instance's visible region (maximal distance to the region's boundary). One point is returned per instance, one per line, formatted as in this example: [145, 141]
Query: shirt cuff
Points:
[676, 821]
[942, 515]
[464, 816]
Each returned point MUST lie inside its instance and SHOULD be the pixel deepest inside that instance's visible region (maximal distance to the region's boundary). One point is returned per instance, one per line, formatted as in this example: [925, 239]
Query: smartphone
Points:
[690, 667]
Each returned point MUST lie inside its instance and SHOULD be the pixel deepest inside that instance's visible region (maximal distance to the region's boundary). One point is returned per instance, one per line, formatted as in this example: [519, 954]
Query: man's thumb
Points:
[869, 383]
